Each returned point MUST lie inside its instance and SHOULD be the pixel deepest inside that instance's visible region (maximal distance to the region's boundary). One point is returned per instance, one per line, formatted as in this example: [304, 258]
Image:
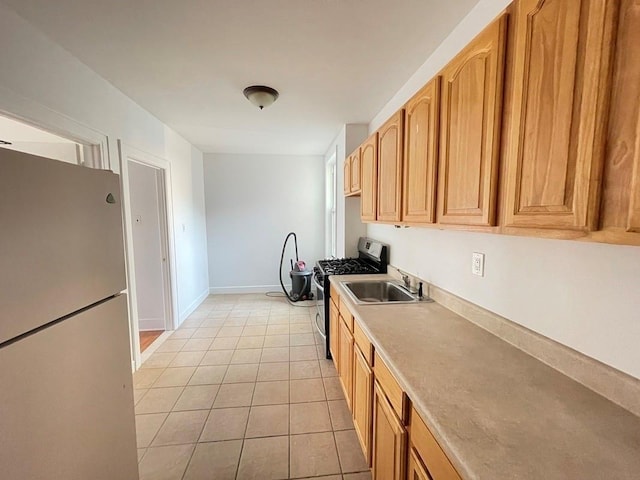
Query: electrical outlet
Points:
[477, 264]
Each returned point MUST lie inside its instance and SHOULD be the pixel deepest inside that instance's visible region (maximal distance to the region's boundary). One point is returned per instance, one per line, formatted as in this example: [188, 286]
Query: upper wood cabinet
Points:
[355, 172]
[347, 175]
[390, 140]
[557, 97]
[621, 193]
[633, 222]
[352, 173]
[421, 127]
[470, 130]
[369, 178]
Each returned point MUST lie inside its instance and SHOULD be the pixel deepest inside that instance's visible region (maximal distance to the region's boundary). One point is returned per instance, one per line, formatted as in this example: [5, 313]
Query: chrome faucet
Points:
[406, 278]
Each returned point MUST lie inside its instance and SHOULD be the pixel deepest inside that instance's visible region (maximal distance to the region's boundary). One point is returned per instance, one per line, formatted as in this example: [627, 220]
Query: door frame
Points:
[128, 153]
[32, 113]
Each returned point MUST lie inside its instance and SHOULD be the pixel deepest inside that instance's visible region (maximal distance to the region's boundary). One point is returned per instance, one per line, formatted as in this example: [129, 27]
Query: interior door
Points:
[149, 245]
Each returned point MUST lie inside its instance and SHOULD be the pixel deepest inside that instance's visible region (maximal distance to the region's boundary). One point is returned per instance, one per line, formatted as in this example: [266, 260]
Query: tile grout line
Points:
[226, 319]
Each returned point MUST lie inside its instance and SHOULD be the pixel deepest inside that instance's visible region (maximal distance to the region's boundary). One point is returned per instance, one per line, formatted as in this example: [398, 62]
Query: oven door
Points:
[318, 281]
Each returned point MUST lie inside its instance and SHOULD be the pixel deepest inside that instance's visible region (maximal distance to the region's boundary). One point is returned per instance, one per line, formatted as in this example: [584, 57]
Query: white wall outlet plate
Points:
[477, 264]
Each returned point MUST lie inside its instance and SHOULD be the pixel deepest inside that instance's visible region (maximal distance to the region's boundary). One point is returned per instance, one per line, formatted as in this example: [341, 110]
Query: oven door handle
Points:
[318, 286]
[318, 316]
[318, 326]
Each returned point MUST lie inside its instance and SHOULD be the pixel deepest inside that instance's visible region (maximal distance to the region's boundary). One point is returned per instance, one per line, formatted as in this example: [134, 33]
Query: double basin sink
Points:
[368, 292]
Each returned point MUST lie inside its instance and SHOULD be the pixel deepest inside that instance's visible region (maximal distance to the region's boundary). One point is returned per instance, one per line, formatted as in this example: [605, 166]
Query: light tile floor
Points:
[243, 391]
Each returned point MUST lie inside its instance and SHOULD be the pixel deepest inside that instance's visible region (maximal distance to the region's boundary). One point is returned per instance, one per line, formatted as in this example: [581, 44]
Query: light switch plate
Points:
[477, 264]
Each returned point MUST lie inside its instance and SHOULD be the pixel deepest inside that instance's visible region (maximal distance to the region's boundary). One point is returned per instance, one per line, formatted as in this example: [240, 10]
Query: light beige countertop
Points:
[497, 412]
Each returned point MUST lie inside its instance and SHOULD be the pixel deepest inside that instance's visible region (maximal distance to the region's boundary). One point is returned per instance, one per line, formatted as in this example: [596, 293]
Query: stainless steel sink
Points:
[378, 291]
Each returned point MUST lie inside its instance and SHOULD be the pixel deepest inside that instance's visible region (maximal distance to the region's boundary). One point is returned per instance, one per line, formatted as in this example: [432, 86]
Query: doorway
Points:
[150, 250]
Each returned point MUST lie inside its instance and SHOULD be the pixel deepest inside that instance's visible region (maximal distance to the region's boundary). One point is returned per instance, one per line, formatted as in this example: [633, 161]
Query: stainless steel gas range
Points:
[373, 257]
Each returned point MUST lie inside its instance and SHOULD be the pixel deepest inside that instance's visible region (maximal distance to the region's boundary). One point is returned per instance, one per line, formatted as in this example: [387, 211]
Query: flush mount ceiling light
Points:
[260, 95]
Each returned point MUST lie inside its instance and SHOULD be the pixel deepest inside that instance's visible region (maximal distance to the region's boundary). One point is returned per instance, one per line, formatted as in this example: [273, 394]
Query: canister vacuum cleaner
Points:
[300, 276]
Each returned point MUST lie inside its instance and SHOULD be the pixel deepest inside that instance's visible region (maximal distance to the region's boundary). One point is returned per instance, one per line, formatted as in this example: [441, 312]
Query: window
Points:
[331, 241]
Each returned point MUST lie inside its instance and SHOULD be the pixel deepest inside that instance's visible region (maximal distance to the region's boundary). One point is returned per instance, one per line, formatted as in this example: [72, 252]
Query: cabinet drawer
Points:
[334, 304]
[393, 391]
[429, 451]
[333, 293]
[363, 342]
[346, 314]
[334, 329]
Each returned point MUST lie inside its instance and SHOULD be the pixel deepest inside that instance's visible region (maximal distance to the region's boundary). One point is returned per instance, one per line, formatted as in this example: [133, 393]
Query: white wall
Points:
[147, 246]
[252, 203]
[51, 87]
[586, 296]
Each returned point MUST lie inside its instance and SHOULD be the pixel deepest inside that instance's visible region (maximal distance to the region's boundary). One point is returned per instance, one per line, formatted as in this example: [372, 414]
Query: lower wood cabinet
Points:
[362, 401]
[345, 363]
[427, 453]
[334, 318]
[389, 440]
[395, 440]
[415, 469]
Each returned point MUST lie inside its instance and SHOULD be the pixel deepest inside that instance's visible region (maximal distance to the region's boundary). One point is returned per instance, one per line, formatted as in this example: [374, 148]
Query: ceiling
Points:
[187, 61]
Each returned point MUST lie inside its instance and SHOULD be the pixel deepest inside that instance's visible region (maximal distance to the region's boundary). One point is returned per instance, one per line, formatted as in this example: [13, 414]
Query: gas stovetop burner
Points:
[346, 266]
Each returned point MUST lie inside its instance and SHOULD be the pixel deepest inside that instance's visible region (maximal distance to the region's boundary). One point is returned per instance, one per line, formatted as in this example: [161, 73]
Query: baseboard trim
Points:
[192, 307]
[248, 289]
[145, 324]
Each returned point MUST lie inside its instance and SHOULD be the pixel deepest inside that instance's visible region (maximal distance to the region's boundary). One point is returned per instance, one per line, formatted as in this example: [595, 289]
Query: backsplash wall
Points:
[583, 295]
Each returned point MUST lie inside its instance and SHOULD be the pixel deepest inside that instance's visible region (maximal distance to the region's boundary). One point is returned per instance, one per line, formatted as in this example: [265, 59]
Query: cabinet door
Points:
[389, 440]
[362, 406]
[390, 141]
[347, 175]
[416, 469]
[334, 334]
[421, 154]
[355, 172]
[628, 76]
[428, 450]
[558, 94]
[369, 178]
[345, 369]
[470, 130]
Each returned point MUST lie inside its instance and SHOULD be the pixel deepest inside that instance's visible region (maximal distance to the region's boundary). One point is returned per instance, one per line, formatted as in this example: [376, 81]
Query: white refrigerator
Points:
[66, 393]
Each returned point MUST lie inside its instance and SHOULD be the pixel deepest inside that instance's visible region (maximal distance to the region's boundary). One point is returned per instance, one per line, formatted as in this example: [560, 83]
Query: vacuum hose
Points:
[295, 241]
